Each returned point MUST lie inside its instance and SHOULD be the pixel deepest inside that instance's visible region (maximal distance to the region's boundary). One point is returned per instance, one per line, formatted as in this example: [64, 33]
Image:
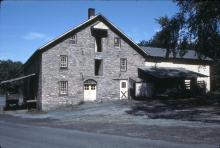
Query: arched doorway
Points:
[90, 90]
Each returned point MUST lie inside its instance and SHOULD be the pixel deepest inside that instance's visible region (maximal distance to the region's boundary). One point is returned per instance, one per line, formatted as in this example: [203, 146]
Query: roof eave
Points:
[179, 60]
[78, 28]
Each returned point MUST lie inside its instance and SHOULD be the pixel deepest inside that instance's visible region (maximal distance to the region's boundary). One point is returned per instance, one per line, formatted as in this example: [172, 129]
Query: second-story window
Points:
[98, 67]
[73, 39]
[117, 42]
[98, 44]
[123, 64]
[63, 61]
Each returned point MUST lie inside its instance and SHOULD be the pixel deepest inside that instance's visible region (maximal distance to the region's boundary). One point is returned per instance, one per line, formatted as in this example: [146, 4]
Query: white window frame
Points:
[86, 87]
[93, 87]
[118, 45]
[123, 85]
[123, 64]
[63, 61]
[63, 87]
[73, 39]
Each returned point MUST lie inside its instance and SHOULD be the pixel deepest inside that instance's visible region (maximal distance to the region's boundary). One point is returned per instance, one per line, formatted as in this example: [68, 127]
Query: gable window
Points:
[98, 44]
[73, 39]
[63, 62]
[123, 64]
[98, 67]
[117, 42]
[63, 87]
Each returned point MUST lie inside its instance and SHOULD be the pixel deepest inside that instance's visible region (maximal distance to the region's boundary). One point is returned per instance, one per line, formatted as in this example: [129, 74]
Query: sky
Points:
[26, 25]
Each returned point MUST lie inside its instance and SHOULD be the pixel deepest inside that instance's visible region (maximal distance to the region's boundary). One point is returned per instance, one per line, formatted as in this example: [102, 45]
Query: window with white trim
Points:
[117, 42]
[63, 61]
[73, 39]
[92, 87]
[86, 87]
[123, 64]
[123, 85]
[63, 87]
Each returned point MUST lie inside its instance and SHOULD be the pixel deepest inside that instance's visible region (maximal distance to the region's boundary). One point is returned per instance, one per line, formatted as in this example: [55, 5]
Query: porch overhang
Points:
[17, 79]
[168, 73]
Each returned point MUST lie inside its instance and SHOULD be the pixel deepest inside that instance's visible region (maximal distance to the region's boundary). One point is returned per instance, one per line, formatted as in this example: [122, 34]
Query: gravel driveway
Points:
[123, 118]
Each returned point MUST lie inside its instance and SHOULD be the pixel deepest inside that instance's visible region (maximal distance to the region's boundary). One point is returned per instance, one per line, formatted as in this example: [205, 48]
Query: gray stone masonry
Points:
[81, 67]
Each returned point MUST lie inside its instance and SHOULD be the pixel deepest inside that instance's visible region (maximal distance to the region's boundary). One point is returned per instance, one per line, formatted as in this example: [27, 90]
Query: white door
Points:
[89, 92]
[123, 89]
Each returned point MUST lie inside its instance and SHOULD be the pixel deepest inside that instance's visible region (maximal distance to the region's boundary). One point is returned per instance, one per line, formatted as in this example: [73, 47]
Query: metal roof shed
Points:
[167, 73]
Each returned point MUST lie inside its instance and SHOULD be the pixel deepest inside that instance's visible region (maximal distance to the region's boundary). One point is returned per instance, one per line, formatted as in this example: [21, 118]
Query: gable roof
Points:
[80, 27]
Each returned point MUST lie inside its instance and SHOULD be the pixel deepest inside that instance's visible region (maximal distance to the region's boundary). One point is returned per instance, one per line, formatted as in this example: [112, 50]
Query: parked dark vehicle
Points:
[12, 100]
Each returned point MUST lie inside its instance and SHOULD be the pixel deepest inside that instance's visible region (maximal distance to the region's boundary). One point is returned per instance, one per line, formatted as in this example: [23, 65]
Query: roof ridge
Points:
[68, 32]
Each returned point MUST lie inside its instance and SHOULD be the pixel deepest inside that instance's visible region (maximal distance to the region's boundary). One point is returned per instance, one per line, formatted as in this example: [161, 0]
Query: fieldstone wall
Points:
[81, 58]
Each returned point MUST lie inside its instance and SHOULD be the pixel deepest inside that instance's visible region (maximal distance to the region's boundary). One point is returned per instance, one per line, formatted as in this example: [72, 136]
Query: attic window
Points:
[73, 39]
[117, 42]
[98, 44]
[98, 67]
[63, 62]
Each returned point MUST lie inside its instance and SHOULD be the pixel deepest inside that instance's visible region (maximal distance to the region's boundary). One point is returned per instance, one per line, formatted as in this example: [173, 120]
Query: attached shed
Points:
[159, 80]
[190, 60]
[12, 98]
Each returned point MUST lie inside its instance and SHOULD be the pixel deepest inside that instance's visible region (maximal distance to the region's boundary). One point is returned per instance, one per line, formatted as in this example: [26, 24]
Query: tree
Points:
[195, 26]
[203, 23]
[10, 70]
[169, 36]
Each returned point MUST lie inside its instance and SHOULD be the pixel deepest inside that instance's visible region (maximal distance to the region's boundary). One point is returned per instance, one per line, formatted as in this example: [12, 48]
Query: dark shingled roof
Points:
[168, 72]
[161, 52]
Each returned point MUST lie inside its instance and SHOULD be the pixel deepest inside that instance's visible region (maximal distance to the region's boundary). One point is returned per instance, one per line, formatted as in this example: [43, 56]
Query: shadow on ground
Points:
[205, 108]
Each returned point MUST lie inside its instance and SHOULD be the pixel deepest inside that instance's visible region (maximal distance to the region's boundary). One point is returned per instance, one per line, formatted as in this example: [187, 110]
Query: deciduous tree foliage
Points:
[203, 24]
[196, 26]
[10, 70]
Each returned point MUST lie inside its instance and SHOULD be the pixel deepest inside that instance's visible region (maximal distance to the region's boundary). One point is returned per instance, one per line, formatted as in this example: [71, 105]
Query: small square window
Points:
[92, 87]
[63, 87]
[73, 39]
[123, 64]
[117, 42]
[86, 87]
[123, 84]
[63, 61]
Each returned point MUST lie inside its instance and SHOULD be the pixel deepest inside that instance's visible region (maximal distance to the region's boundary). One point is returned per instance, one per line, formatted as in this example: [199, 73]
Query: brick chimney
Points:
[91, 13]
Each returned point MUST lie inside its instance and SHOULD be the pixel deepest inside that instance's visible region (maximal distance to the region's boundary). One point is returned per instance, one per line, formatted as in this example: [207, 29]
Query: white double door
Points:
[89, 92]
[123, 89]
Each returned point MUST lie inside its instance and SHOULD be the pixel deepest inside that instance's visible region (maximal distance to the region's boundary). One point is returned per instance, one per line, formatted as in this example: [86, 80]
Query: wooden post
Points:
[6, 99]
